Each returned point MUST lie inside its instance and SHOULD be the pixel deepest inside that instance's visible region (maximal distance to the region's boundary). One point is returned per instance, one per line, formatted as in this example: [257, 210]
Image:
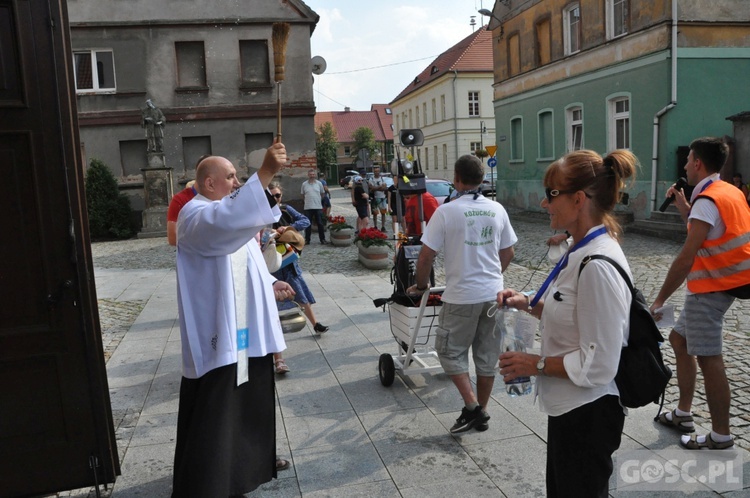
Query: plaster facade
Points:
[210, 69]
[614, 90]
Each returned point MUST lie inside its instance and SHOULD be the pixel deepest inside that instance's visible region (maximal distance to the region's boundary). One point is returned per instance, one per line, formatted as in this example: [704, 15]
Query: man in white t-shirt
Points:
[313, 191]
[379, 203]
[715, 261]
[477, 241]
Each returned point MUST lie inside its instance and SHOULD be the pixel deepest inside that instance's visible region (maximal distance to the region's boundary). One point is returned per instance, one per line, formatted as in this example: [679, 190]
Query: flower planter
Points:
[374, 257]
[342, 237]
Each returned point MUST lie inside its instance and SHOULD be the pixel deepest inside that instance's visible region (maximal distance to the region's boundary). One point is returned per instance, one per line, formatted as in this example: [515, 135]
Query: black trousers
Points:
[317, 215]
[580, 445]
[226, 434]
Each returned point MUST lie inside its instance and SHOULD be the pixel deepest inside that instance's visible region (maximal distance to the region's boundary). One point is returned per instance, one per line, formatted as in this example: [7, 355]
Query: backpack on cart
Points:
[404, 271]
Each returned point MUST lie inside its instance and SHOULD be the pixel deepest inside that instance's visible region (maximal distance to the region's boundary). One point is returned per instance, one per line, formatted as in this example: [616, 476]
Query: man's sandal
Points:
[282, 464]
[677, 422]
[281, 367]
[691, 443]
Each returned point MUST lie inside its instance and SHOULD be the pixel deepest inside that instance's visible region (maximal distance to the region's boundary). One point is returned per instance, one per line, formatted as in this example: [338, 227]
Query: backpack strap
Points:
[613, 263]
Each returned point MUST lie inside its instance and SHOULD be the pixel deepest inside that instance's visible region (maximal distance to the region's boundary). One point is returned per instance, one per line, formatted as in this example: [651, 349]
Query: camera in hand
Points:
[680, 185]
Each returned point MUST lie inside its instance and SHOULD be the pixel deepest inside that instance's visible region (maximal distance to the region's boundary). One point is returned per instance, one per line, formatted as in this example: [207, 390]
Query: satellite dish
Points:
[318, 65]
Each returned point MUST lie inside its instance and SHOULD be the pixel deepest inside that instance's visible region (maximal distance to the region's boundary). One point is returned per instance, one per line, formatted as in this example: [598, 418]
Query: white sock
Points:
[680, 413]
[720, 438]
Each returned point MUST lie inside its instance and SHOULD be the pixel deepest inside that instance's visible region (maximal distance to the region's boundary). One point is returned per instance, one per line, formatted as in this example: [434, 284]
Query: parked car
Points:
[440, 189]
[488, 184]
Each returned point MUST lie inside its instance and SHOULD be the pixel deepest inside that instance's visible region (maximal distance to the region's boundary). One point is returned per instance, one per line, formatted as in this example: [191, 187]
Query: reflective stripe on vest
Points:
[724, 263]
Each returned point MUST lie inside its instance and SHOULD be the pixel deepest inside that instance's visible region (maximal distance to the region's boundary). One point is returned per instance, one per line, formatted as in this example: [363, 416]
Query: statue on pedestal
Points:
[152, 120]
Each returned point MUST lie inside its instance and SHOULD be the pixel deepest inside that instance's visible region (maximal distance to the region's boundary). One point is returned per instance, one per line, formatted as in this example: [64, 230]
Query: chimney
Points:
[347, 109]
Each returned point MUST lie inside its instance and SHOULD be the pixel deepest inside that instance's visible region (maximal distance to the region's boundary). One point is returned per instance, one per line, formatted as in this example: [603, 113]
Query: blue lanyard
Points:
[564, 262]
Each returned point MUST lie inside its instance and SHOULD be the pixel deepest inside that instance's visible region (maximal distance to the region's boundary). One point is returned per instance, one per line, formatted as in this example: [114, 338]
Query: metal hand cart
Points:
[412, 327]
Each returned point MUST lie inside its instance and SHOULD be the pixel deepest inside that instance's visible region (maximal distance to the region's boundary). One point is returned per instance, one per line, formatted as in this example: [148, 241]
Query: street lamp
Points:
[488, 13]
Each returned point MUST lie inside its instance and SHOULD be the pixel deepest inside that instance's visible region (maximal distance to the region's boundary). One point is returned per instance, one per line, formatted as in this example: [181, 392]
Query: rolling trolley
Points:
[412, 327]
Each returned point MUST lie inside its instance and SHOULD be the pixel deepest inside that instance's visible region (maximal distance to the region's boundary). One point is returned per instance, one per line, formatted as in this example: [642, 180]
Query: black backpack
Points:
[641, 375]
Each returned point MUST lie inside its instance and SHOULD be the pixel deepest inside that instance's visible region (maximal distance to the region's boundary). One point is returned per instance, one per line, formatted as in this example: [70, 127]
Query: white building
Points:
[451, 102]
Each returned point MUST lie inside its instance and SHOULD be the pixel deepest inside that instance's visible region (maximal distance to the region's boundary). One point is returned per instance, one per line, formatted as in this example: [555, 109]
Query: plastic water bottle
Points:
[512, 340]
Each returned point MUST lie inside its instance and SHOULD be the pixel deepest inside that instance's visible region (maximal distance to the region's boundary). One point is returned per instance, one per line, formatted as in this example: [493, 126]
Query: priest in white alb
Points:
[229, 327]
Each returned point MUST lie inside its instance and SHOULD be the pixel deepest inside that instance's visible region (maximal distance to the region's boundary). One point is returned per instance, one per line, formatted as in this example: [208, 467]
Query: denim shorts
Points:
[464, 326]
[701, 320]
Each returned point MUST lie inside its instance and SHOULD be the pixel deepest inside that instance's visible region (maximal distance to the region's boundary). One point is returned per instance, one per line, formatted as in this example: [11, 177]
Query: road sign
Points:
[492, 162]
[491, 149]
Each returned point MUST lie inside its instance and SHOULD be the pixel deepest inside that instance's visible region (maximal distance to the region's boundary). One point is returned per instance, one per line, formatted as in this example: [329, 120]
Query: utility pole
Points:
[482, 129]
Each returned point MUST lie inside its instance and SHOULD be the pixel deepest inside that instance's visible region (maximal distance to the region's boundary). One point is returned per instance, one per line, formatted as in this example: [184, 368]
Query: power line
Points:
[384, 65]
[329, 98]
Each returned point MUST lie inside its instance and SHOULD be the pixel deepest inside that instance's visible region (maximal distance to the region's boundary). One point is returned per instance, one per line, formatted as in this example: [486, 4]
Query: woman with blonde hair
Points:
[584, 319]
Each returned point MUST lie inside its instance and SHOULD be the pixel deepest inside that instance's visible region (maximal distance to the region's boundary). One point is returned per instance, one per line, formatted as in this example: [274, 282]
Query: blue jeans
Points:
[316, 214]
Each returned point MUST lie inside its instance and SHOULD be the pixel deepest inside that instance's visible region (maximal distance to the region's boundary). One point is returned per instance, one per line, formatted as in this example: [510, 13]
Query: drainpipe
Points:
[455, 111]
[658, 115]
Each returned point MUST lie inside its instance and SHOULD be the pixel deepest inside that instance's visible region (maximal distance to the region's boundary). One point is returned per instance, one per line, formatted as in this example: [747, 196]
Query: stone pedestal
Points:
[157, 192]
[342, 237]
[373, 257]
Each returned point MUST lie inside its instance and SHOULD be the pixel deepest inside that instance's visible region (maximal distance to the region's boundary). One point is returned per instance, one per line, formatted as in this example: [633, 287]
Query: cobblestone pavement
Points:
[649, 260]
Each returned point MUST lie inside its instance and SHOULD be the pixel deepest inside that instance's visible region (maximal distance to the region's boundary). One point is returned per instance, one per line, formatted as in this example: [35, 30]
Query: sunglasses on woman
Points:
[278, 196]
[551, 193]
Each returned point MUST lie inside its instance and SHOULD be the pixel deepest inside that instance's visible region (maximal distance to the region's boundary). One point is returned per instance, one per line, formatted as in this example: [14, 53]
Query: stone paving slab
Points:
[333, 414]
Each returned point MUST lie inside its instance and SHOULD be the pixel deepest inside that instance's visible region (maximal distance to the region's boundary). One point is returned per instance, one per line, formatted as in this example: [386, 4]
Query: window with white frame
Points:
[426, 158]
[619, 123]
[574, 128]
[445, 156]
[435, 156]
[474, 104]
[442, 108]
[546, 146]
[572, 28]
[424, 112]
[434, 112]
[410, 119]
[416, 113]
[516, 139]
[474, 147]
[94, 71]
[617, 18]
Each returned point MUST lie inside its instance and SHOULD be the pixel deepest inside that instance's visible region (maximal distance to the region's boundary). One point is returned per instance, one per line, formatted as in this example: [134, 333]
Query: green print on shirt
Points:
[469, 214]
[485, 235]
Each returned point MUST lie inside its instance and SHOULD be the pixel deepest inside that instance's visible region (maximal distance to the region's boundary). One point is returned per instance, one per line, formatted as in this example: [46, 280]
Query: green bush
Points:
[109, 211]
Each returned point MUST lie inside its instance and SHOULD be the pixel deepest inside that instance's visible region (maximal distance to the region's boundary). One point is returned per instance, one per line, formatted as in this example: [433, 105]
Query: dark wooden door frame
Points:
[38, 117]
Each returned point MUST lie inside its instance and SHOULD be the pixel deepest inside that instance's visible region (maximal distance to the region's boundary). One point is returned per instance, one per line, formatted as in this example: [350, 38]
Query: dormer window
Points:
[434, 70]
[416, 80]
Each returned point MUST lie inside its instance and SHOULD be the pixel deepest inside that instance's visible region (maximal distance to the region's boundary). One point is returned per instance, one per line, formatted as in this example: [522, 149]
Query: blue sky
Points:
[356, 36]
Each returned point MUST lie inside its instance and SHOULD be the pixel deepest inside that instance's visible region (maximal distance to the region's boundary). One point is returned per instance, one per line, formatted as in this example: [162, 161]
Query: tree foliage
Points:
[364, 138]
[325, 147]
[110, 215]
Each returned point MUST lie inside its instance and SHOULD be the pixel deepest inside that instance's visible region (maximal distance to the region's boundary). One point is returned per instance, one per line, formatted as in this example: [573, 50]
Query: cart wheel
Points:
[386, 369]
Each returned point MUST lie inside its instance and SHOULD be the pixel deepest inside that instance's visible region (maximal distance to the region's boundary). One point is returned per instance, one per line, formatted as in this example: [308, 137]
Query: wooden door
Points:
[56, 429]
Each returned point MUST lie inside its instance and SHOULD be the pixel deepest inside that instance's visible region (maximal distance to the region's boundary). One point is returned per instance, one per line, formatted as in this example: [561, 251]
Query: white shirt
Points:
[471, 234]
[587, 325]
[312, 193]
[209, 232]
[377, 182]
[706, 210]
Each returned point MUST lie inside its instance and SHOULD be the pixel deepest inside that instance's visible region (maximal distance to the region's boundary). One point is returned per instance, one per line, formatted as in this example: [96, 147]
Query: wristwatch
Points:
[540, 365]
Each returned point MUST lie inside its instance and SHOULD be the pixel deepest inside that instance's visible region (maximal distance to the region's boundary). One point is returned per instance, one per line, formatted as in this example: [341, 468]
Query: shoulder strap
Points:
[610, 261]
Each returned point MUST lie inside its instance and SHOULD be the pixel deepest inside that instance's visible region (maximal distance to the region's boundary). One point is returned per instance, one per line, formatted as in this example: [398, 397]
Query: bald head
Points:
[215, 177]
